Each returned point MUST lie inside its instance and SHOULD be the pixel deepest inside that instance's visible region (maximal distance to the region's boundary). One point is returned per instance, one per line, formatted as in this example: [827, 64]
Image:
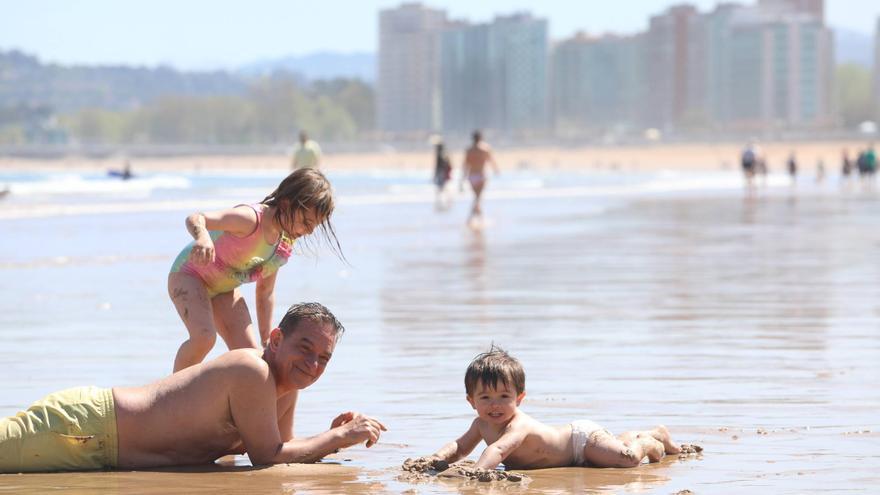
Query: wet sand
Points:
[745, 324]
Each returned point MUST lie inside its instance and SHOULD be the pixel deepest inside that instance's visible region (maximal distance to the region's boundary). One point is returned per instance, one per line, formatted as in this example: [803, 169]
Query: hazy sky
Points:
[203, 34]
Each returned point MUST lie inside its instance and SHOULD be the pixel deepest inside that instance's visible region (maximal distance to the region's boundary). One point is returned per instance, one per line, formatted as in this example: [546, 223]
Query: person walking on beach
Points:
[792, 168]
[241, 402]
[749, 161]
[846, 166]
[474, 170]
[246, 243]
[442, 174]
[306, 153]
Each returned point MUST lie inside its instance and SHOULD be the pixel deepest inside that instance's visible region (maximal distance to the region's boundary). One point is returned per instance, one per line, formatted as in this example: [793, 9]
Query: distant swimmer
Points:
[124, 174]
[241, 402]
[474, 171]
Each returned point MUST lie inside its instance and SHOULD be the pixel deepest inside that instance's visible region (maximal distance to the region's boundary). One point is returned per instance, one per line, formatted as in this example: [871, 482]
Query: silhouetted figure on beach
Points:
[749, 161]
[474, 171]
[442, 174]
[820, 171]
[792, 167]
[846, 166]
[763, 171]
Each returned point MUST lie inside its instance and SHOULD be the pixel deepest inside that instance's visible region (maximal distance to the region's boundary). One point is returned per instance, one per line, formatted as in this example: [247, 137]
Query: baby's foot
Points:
[654, 449]
[661, 434]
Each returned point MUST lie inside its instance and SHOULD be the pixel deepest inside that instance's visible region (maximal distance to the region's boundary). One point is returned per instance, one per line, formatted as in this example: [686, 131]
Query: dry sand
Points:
[647, 157]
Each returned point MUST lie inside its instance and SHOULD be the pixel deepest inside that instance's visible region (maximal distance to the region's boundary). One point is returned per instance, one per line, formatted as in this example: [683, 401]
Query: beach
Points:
[656, 292]
[645, 157]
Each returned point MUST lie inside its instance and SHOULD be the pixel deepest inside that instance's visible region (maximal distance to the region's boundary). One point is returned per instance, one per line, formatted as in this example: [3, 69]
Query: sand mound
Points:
[424, 468]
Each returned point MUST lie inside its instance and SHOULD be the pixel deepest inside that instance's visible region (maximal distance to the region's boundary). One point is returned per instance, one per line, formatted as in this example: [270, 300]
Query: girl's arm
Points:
[240, 221]
[265, 295]
[460, 448]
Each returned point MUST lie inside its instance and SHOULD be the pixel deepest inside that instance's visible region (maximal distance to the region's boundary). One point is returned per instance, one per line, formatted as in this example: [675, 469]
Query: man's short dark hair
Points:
[310, 311]
[477, 136]
[492, 367]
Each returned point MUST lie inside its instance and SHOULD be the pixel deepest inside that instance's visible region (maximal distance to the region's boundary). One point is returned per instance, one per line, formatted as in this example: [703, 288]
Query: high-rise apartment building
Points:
[595, 83]
[877, 70]
[814, 8]
[494, 75]
[782, 67]
[408, 81]
[668, 62]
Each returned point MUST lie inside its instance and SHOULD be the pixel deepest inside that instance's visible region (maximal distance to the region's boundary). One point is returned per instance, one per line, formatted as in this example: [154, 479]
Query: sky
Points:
[226, 34]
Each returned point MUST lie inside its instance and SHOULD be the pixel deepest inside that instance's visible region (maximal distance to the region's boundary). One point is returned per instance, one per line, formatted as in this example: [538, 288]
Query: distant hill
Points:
[25, 81]
[853, 47]
[321, 65]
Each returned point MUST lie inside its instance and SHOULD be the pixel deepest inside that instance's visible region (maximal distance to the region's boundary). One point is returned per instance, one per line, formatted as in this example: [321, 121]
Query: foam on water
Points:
[71, 184]
[48, 196]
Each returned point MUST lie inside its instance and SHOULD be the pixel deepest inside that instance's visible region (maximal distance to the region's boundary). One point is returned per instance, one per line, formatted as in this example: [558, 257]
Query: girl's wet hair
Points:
[494, 367]
[305, 190]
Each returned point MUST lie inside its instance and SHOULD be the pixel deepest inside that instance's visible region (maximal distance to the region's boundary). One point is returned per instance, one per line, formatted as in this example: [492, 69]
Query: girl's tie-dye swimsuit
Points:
[237, 260]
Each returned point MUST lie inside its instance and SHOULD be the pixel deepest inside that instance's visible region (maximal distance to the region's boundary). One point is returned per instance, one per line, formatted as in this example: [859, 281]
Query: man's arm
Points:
[501, 448]
[460, 448]
[491, 159]
[286, 406]
[265, 296]
[253, 404]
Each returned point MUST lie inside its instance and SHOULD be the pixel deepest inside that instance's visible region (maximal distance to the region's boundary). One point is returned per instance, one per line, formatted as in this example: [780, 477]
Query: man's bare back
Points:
[187, 418]
[476, 157]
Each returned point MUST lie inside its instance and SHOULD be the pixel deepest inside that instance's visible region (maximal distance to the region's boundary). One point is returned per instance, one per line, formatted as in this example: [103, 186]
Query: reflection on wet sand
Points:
[291, 478]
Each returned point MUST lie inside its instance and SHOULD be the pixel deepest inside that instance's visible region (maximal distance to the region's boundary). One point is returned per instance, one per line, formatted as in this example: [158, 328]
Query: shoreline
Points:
[652, 157]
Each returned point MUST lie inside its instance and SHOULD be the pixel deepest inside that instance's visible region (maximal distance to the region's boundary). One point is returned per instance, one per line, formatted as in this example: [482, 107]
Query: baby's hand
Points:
[202, 251]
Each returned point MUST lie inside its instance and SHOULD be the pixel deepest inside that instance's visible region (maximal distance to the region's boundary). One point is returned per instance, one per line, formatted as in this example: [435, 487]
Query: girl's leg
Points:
[627, 450]
[233, 321]
[190, 298]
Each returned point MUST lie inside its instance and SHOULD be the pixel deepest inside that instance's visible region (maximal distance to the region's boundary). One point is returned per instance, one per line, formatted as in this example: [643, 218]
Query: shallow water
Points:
[745, 323]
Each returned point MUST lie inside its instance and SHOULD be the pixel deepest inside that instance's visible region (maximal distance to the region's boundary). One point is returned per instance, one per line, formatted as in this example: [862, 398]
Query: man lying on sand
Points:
[495, 386]
[241, 402]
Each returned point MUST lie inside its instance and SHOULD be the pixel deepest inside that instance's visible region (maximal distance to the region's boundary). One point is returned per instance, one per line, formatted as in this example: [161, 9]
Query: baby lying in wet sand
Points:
[495, 386]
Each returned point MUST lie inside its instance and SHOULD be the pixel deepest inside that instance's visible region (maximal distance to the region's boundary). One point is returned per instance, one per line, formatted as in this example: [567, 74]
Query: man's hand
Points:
[357, 428]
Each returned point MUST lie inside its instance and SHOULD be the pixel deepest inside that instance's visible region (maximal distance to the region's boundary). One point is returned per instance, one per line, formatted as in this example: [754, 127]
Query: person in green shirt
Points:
[306, 153]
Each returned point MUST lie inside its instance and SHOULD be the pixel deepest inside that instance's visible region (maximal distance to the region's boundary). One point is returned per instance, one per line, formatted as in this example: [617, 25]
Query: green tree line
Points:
[270, 112]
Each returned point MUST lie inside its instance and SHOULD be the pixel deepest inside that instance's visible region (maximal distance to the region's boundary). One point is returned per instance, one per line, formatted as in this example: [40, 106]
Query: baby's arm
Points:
[460, 448]
[501, 448]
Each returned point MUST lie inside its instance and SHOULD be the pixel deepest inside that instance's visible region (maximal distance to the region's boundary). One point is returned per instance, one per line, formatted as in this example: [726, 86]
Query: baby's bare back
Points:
[544, 446]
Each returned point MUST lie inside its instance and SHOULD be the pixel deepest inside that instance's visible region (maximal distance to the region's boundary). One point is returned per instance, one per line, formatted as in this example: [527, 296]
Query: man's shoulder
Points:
[246, 363]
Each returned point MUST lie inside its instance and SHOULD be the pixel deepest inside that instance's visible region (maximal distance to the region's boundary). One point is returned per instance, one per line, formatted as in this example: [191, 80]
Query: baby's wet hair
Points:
[493, 367]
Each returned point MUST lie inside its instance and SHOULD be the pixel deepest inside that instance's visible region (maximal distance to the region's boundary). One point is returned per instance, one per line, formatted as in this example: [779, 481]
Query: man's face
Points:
[300, 358]
[495, 404]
